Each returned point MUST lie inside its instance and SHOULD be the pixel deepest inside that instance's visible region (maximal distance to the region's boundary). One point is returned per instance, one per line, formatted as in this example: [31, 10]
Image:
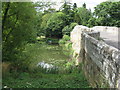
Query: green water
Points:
[51, 54]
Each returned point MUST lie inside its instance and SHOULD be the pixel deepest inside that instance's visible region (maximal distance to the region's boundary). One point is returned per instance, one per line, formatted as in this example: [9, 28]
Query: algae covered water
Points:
[50, 56]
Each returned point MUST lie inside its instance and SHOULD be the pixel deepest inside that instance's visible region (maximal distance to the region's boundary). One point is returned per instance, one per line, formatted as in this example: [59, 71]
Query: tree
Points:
[108, 14]
[55, 25]
[18, 28]
[66, 8]
[43, 25]
[84, 5]
[38, 23]
[50, 10]
[43, 5]
[44, 11]
[82, 15]
[74, 6]
[67, 29]
[92, 22]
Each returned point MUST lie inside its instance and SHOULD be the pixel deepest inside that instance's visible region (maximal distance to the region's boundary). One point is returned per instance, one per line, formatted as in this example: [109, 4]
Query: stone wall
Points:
[76, 39]
[113, 30]
[101, 62]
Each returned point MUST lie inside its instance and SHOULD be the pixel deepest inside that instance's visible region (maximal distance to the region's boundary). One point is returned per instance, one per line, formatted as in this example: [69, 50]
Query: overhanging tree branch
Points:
[5, 15]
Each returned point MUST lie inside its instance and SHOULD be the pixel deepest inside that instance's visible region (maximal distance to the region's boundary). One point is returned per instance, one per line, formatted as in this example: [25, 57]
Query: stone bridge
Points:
[98, 50]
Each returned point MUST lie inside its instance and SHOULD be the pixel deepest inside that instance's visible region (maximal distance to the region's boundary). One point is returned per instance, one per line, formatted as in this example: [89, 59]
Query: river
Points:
[48, 54]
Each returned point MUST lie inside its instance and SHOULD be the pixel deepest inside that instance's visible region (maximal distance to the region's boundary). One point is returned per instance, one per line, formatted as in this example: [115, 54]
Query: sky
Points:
[90, 4]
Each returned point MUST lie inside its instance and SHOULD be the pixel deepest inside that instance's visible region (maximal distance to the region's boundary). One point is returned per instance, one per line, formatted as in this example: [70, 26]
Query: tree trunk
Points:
[5, 15]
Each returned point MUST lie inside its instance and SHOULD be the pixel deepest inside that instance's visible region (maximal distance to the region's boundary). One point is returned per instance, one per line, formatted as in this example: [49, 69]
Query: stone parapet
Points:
[101, 62]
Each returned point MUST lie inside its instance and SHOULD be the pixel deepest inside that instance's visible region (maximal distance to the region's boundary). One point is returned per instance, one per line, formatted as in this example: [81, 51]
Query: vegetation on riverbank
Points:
[67, 76]
[40, 80]
[23, 23]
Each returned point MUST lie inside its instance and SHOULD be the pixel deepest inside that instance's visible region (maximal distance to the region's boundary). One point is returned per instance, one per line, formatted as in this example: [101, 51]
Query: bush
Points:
[64, 39]
[61, 41]
[66, 30]
[68, 45]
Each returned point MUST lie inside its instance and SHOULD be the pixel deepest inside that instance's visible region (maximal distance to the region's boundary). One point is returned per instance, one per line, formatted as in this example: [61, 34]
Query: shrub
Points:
[68, 45]
[66, 38]
[66, 30]
[61, 41]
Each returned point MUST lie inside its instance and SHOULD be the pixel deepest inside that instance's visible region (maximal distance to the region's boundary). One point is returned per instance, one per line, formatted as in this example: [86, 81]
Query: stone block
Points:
[101, 62]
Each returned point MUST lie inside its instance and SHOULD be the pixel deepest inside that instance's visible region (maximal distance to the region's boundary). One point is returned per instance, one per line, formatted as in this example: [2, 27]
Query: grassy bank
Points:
[41, 80]
[67, 76]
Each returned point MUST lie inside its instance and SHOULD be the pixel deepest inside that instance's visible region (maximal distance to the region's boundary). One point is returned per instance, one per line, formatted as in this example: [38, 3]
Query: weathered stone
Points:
[106, 29]
[118, 83]
[98, 58]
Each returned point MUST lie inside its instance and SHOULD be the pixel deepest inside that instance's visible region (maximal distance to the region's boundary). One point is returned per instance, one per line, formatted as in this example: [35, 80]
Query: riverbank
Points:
[67, 75]
[41, 80]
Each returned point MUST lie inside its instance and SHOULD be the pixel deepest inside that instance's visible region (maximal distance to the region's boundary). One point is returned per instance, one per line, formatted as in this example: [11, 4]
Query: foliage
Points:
[40, 80]
[55, 25]
[68, 10]
[66, 45]
[50, 10]
[44, 11]
[84, 5]
[43, 6]
[37, 78]
[74, 6]
[61, 41]
[82, 15]
[91, 22]
[107, 14]
[17, 28]
[64, 39]
[23, 22]
[38, 24]
[67, 29]
[43, 25]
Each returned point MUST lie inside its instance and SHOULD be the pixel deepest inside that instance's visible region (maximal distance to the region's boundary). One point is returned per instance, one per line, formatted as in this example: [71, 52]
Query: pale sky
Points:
[89, 3]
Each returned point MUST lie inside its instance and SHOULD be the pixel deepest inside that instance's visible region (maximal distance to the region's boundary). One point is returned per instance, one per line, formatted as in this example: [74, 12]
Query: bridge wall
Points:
[101, 62]
[107, 29]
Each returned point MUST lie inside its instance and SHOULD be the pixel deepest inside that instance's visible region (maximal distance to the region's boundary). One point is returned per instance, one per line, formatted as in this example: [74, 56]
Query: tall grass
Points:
[66, 75]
